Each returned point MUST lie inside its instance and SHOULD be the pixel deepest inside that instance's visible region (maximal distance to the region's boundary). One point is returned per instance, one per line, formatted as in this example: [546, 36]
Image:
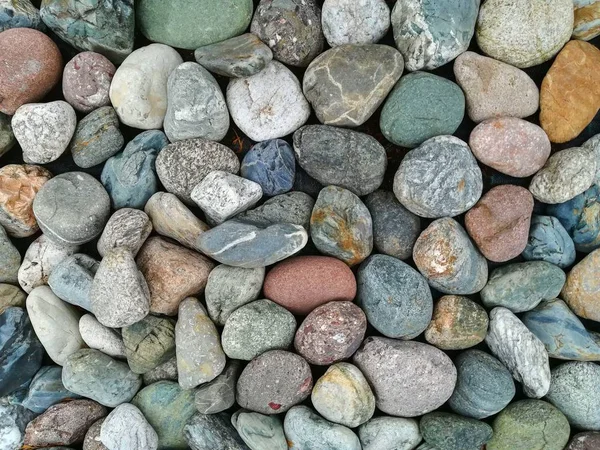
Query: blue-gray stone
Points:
[219, 394]
[549, 241]
[259, 431]
[19, 14]
[13, 421]
[483, 387]
[293, 207]
[21, 352]
[272, 165]
[10, 259]
[149, 343]
[389, 433]
[244, 245]
[453, 432]
[130, 177]
[212, 432]
[71, 280]
[522, 286]
[395, 297]
[46, 389]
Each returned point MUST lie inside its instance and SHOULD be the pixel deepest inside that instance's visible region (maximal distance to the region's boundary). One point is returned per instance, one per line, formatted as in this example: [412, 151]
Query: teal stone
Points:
[149, 343]
[19, 14]
[549, 241]
[168, 408]
[213, 432]
[46, 389]
[190, 24]
[453, 432]
[561, 331]
[71, 280]
[421, 106]
[7, 138]
[259, 431]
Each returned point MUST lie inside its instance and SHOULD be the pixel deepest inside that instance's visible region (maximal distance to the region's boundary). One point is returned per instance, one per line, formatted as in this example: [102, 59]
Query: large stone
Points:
[351, 22]
[293, 207]
[20, 14]
[149, 343]
[71, 279]
[13, 421]
[549, 241]
[126, 428]
[582, 289]
[127, 228]
[272, 165]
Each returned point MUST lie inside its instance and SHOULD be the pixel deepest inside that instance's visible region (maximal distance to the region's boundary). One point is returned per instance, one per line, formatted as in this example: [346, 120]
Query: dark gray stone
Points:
[453, 432]
[13, 421]
[212, 432]
[293, 207]
[46, 389]
[219, 394]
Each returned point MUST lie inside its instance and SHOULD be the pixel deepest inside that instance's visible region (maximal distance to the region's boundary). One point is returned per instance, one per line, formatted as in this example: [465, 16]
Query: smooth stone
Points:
[97, 138]
[11, 296]
[98, 337]
[454, 432]
[138, 91]
[7, 137]
[449, 261]
[524, 35]
[586, 28]
[126, 428]
[408, 378]
[582, 288]
[346, 84]
[181, 166]
[43, 130]
[86, 81]
[291, 28]
[274, 382]
[584, 441]
[200, 356]
[389, 433]
[71, 279]
[563, 334]
[19, 184]
[165, 372]
[457, 323]
[10, 259]
[20, 14]
[440, 178]
[238, 57]
[13, 421]
[127, 228]
[549, 241]
[351, 22]
[293, 207]
[149, 343]
[119, 295]
[212, 432]
[530, 424]
[243, 245]
[46, 389]
[196, 106]
[269, 104]
[259, 431]
[72, 208]
[484, 385]
[172, 272]
[219, 394]
[395, 297]
[569, 97]
[20, 50]
[523, 354]
[494, 89]
[21, 350]
[130, 176]
[272, 165]
[345, 158]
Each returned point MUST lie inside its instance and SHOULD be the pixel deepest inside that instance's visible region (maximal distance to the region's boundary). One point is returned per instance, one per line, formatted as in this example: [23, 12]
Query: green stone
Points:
[453, 432]
[149, 343]
[11, 296]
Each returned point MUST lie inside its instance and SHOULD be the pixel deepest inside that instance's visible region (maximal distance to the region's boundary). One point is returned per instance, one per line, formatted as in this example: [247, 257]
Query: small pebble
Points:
[272, 165]
[86, 81]
[166, 371]
[149, 343]
[10, 259]
[212, 432]
[127, 228]
[584, 441]
[583, 287]
[46, 389]
[350, 22]
[259, 431]
[11, 296]
[219, 394]
[453, 432]
[549, 241]
[389, 433]
[294, 208]
[71, 279]
[126, 428]
[20, 15]
[97, 336]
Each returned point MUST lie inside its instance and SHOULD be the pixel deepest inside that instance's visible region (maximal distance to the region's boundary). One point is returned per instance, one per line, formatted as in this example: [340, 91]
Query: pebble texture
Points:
[219, 394]
[453, 432]
[583, 286]
[126, 428]
[389, 433]
[86, 81]
[549, 241]
[71, 279]
[97, 336]
[149, 343]
[272, 165]
[350, 22]
[127, 228]
[259, 431]
[212, 432]
[294, 208]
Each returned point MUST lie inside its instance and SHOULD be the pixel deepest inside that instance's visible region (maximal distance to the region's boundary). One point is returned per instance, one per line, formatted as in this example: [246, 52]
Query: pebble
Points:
[408, 378]
[10, 259]
[350, 22]
[549, 241]
[20, 15]
[119, 295]
[346, 84]
[269, 104]
[138, 90]
[494, 89]
[86, 81]
[219, 394]
[172, 273]
[272, 165]
[196, 106]
[425, 36]
[212, 432]
[395, 297]
[530, 424]
[222, 195]
[345, 158]
[7, 137]
[584, 441]
[189, 27]
[453, 432]
[63, 424]
[331, 333]
[306, 430]
[181, 166]
[569, 97]
[291, 28]
[165, 372]
[43, 130]
[11, 296]
[563, 334]
[583, 287]
[228, 288]
[439, 178]
[149, 343]
[293, 207]
[46, 389]
[97, 138]
[524, 35]
[484, 387]
[342, 395]
[200, 357]
[302, 283]
[21, 49]
[305, 183]
[520, 351]
[13, 420]
[71, 279]
[126, 428]
[457, 323]
[389, 433]
[239, 57]
[98, 337]
[565, 175]
[72, 208]
[259, 431]
[274, 382]
[257, 327]
[127, 228]
[585, 28]
[449, 261]
[243, 245]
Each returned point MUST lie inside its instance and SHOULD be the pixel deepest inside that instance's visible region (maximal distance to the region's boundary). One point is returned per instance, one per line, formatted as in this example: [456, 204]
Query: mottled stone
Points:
[11, 296]
[127, 228]
[20, 14]
[97, 138]
[453, 432]
[166, 371]
[305, 183]
[126, 428]
[549, 241]
[13, 420]
[149, 343]
[389, 433]
[46, 389]
[272, 165]
[7, 137]
[259, 431]
[10, 259]
[86, 81]
[352, 22]
[71, 279]
[99, 337]
[219, 394]
[212, 432]
[584, 441]
[583, 287]
[293, 207]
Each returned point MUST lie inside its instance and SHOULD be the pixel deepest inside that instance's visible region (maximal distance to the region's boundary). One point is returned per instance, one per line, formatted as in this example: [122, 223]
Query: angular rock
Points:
[219, 394]
[349, 22]
[20, 14]
[272, 165]
[13, 420]
[127, 228]
[259, 431]
[126, 428]
[549, 241]
[212, 432]
[294, 207]
[97, 138]
[149, 343]
[386, 432]
[46, 389]
[453, 432]
[71, 279]
[582, 287]
[98, 337]
[86, 81]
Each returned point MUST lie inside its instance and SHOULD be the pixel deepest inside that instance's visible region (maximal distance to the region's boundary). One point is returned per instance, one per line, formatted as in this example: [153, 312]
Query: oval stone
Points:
[86, 81]
[453, 432]
[98, 337]
[549, 241]
[384, 432]
[149, 343]
[582, 288]
[71, 279]
[351, 22]
[259, 431]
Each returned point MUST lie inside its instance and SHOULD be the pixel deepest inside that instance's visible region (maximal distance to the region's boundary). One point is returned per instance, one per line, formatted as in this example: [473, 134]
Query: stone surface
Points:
[583, 287]
[305, 183]
[454, 432]
[294, 207]
[92, 437]
[98, 337]
[10, 259]
[7, 137]
[389, 433]
[97, 138]
[20, 14]
[71, 279]
[272, 165]
[127, 228]
[259, 431]
[149, 343]
[126, 428]
[346, 84]
[11, 296]
[165, 372]
[212, 432]
[584, 441]
[349, 22]
[86, 81]
[219, 394]
[586, 24]
[13, 420]
[549, 241]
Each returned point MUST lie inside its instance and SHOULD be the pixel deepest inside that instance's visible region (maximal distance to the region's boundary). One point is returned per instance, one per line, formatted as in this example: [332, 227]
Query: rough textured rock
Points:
[259, 431]
[272, 165]
[126, 428]
[21, 14]
[149, 343]
[127, 228]
[384, 432]
[549, 241]
[86, 81]
[350, 22]
[212, 432]
[219, 394]
[98, 337]
[454, 432]
[71, 279]
[585, 28]
[293, 207]
[13, 420]
[92, 437]
[583, 286]
[11, 296]
[164, 372]
[10, 260]
[584, 441]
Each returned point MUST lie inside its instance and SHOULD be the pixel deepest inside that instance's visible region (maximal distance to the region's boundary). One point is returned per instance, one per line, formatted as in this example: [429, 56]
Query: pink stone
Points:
[86, 81]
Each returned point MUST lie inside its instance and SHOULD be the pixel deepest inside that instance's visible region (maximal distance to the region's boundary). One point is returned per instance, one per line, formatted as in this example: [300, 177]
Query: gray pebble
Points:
[126, 428]
[127, 228]
[149, 343]
[98, 337]
[71, 279]
[13, 421]
[212, 432]
[10, 259]
[258, 431]
[166, 371]
[292, 207]
[92, 437]
[389, 433]
[219, 394]
[355, 22]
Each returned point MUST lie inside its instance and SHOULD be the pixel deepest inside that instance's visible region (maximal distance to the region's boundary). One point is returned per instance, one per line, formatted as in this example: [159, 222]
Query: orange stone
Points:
[570, 94]
[582, 289]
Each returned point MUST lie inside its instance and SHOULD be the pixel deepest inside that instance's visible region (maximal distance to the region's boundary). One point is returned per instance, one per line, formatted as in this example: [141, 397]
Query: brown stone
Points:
[11, 296]
[172, 273]
[587, 22]
[92, 437]
[30, 66]
[302, 283]
[570, 94]
[590, 440]
[499, 222]
[582, 289]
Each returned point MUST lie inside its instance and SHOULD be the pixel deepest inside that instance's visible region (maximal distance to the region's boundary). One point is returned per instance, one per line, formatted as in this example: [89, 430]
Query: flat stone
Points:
[293, 207]
[259, 431]
[584, 441]
[86, 81]
[46, 389]
[13, 420]
[384, 432]
[212, 432]
[98, 337]
[346, 84]
[272, 165]
[549, 241]
[127, 228]
[165, 372]
[349, 22]
[11, 296]
[20, 15]
[583, 286]
[71, 279]
[126, 428]
[10, 259]
[7, 137]
[149, 343]
[219, 394]
[454, 432]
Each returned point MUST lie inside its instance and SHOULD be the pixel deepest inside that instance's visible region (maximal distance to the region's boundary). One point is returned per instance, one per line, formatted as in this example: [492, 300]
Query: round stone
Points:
[453, 432]
[549, 241]
[352, 22]
[272, 165]
[149, 343]
[98, 337]
[584, 441]
[583, 287]
[86, 81]
[387, 433]
[259, 431]
[126, 428]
